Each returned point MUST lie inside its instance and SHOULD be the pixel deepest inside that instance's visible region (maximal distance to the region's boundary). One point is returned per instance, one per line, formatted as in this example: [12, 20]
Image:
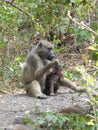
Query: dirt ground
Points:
[15, 105]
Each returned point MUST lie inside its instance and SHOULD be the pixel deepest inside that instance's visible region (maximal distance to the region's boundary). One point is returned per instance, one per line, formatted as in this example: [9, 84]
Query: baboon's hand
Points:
[56, 62]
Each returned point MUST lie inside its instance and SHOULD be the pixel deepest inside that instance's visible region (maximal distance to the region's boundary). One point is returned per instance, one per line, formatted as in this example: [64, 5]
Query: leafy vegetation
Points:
[62, 121]
[70, 24]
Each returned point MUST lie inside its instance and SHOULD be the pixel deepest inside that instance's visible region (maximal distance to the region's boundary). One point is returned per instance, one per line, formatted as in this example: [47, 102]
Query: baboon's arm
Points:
[40, 73]
[67, 83]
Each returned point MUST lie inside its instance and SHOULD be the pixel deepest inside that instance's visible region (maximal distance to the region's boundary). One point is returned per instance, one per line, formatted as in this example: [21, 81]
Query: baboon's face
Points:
[50, 54]
[45, 51]
[57, 69]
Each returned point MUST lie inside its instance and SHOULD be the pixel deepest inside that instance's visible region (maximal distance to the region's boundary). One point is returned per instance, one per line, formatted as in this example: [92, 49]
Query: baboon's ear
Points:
[39, 44]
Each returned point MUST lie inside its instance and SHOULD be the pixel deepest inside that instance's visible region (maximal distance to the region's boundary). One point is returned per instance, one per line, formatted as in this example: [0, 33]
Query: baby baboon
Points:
[52, 80]
[35, 68]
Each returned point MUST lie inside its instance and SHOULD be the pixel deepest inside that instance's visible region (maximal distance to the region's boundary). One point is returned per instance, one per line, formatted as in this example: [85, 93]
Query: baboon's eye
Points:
[50, 48]
[40, 44]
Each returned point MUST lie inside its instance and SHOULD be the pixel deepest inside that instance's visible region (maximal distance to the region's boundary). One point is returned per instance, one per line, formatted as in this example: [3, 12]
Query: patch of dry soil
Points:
[22, 105]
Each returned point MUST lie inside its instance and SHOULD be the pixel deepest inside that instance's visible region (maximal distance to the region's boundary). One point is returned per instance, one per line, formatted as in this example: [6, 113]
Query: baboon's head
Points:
[44, 50]
[57, 69]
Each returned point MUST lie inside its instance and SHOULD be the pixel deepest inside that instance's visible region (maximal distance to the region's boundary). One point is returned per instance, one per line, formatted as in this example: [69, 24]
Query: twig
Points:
[12, 1]
[21, 10]
[81, 24]
[1, 91]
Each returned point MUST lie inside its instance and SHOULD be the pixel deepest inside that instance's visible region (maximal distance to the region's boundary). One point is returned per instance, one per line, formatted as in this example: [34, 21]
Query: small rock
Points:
[18, 127]
[18, 120]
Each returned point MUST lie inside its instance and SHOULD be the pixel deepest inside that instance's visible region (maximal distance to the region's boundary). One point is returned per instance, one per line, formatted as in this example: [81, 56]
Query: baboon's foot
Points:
[81, 89]
[53, 94]
[60, 92]
[41, 96]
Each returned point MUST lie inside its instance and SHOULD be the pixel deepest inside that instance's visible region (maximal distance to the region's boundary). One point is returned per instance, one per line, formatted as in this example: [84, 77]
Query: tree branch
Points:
[17, 7]
[81, 24]
[12, 1]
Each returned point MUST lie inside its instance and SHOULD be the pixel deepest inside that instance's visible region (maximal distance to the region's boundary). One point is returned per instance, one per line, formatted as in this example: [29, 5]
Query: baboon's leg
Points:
[52, 88]
[34, 89]
[69, 84]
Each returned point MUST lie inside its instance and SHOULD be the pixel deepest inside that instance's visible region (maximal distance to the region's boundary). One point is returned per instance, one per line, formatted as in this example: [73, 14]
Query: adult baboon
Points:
[35, 68]
[52, 80]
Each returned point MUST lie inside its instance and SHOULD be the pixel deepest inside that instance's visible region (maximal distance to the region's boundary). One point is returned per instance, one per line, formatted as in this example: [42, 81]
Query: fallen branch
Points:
[1, 91]
[81, 24]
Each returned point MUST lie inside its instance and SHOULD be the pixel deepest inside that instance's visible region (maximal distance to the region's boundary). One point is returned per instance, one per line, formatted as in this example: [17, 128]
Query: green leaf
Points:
[90, 123]
[96, 63]
[56, 41]
[78, 10]
[62, 29]
[90, 80]
[78, 1]
[5, 7]
[17, 59]
[37, 26]
[51, 117]
[83, 83]
[33, 18]
[26, 120]
[41, 121]
[58, 50]
[92, 48]
[60, 123]
[2, 43]
[11, 69]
